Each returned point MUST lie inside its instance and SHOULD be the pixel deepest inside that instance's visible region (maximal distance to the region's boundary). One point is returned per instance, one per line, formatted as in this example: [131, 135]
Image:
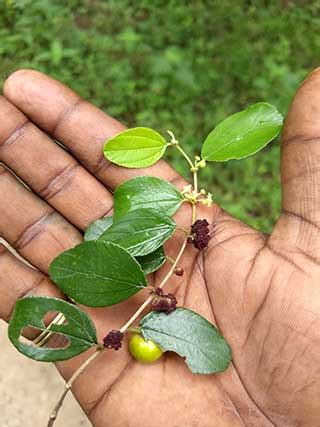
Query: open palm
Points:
[261, 291]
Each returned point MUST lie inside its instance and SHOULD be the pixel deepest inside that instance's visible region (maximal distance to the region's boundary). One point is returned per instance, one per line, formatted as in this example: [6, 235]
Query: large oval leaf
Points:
[135, 148]
[243, 133]
[97, 274]
[140, 232]
[146, 192]
[95, 229]
[78, 328]
[153, 261]
[191, 336]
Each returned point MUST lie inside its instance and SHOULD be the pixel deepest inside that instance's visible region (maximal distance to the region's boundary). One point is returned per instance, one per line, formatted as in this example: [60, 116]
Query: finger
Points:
[18, 280]
[32, 227]
[79, 125]
[49, 170]
[300, 168]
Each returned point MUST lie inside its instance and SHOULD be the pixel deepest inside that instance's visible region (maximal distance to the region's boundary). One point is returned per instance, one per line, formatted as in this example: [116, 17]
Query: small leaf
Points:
[95, 229]
[243, 133]
[135, 148]
[97, 274]
[153, 261]
[140, 232]
[191, 336]
[78, 328]
[146, 192]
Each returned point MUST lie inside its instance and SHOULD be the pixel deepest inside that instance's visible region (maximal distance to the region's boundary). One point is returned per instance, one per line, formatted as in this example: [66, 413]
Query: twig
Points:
[69, 384]
[195, 189]
[185, 155]
[99, 348]
[150, 298]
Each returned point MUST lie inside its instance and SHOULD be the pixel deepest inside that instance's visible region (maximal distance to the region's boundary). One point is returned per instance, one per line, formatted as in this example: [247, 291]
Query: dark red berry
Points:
[159, 292]
[113, 340]
[199, 234]
[179, 271]
[164, 303]
[161, 305]
[200, 226]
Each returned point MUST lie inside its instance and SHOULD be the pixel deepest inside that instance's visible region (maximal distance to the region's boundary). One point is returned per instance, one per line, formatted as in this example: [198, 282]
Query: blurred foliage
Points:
[175, 65]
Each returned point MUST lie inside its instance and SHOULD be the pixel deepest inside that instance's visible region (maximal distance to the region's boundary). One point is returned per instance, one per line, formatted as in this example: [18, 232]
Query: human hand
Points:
[261, 291]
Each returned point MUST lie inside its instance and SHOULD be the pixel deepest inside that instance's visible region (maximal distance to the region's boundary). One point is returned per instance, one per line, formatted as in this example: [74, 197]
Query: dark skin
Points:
[262, 291]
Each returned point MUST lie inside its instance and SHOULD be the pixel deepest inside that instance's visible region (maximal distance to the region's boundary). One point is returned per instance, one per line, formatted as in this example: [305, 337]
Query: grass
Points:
[175, 65]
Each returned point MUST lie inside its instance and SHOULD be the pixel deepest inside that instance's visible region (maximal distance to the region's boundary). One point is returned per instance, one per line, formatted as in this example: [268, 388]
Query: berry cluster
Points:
[199, 234]
[113, 340]
[165, 303]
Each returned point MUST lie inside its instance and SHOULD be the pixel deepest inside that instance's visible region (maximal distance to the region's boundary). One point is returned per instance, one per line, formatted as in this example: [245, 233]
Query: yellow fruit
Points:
[144, 351]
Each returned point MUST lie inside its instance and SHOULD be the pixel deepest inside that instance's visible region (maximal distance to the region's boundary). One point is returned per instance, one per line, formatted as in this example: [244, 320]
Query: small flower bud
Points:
[201, 164]
[187, 189]
[188, 196]
[173, 139]
[179, 271]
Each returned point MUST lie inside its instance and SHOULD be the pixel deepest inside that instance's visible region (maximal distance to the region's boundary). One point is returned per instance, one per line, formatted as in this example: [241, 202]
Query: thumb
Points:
[300, 168]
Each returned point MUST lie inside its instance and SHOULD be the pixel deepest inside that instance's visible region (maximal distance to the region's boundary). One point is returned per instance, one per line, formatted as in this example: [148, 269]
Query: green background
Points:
[175, 65]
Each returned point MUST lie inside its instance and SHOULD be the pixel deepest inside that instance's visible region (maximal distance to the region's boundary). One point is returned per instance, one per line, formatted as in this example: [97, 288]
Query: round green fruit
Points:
[144, 351]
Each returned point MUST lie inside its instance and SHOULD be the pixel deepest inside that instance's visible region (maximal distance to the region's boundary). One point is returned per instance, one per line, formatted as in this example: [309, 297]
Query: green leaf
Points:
[243, 133]
[146, 192]
[191, 336]
[78, 328]
[95, 229]
[135, 148]
[149, 263]
[153, 261]
[97, 274]
[140, 232]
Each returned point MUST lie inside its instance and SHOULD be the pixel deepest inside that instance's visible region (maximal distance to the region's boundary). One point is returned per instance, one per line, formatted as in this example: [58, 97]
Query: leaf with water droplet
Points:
[243, 133]
[146, 192]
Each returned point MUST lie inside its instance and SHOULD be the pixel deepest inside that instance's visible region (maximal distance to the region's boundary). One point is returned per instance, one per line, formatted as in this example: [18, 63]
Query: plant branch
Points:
[185, 155]
[123, 329]
[69, 384]
[99, 348]
[174, 265]
[195, 181]
[194, 169]
[136, 314]
[195, 189]
[149, 299]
